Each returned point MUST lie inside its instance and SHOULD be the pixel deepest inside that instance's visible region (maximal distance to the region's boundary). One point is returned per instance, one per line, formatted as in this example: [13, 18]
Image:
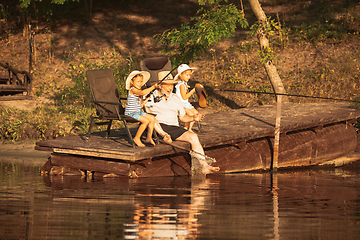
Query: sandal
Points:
[167, 138]
[201, 93]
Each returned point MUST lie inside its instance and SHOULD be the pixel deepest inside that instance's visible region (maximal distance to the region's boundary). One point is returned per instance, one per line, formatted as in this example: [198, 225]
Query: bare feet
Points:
[150, 141]
[138, 142]
[209, 169]
[167, 138]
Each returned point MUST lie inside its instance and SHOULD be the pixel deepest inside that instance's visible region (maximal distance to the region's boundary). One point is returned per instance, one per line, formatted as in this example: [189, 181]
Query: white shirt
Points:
[167, 111]
[178, 92]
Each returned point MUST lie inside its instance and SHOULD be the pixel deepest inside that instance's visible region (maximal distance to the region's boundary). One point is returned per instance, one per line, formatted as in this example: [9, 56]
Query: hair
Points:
[184, 72]
[135, 77]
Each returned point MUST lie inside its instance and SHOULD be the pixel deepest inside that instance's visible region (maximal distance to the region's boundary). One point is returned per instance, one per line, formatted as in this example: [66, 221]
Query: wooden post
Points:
[277, 133]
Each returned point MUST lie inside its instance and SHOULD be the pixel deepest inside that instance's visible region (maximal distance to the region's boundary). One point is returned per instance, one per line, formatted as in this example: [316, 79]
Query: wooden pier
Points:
[14, 84]
[240, 140]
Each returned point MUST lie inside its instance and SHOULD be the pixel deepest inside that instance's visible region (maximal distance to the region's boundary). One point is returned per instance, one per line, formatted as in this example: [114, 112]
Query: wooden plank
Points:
[223, 128]
[14, 97]
[306, 148]
[106, 148]
[179, 165]
[13, 88]
[92, 164]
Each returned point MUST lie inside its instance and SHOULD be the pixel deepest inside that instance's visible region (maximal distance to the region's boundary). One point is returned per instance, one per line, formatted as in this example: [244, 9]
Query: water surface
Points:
[306, 204]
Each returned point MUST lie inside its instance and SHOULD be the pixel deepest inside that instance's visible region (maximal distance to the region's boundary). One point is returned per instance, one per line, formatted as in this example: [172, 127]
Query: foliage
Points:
[78, 95]
[211, 25]
[266, 54]
[73, 110]
[326, 22]
[18, 125]
[236, 67]
[203, 2]
[75, 100]
[26, 3]
[270, 27]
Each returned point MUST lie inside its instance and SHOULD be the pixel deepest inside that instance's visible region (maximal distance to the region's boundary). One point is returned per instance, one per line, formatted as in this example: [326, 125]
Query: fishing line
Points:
[284, 94]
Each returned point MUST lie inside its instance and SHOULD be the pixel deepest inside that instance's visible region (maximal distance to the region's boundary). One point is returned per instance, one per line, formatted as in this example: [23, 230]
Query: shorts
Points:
[136, 115]
[173, 131]
[187, 105]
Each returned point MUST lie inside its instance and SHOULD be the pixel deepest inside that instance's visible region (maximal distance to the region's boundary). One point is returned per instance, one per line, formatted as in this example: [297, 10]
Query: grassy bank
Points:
[317, 54]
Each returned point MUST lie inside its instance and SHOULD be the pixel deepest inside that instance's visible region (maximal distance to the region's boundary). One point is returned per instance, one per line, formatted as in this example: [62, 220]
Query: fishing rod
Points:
[158, 98]
[284, 94]
[168, 74]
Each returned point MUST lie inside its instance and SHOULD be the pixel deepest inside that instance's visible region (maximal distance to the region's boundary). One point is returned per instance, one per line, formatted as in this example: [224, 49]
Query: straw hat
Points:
[182, 68]
[169, 78]
[146, 77]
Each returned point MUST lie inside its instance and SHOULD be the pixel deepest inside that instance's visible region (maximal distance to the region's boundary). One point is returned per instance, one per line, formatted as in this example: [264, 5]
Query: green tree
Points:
[212, 24]
[262, 33]
[88, 5]
[26, 3]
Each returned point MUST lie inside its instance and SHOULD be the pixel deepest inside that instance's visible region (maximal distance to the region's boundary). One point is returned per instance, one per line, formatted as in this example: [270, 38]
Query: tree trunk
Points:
[88, 9]
[273, 75]
[264, 42]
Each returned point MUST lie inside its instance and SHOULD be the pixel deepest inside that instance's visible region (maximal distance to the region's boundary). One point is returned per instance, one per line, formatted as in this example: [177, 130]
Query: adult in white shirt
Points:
[168, 110]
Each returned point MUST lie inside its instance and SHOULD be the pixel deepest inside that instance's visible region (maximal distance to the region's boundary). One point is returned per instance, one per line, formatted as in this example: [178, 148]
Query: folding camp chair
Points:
[107, 102]
[154, 66]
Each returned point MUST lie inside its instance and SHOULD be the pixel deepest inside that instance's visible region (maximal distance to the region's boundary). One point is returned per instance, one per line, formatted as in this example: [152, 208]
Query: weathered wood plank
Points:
[173, 166]
[223, 128]
[305, 148]
[93, 164]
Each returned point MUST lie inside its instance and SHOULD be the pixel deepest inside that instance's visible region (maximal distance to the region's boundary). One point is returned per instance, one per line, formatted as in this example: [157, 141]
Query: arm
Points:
[197, 117]
[184, 94]
[144, 102]
[145, 91]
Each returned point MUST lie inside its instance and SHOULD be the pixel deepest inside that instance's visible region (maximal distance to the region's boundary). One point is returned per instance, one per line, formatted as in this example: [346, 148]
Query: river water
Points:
[301, 204]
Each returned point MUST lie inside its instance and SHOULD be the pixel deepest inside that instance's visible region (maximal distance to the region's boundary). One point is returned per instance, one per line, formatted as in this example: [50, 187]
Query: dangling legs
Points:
[193, 139]
[150, 127]
[144, 123]
[191, 112]
[166, 137]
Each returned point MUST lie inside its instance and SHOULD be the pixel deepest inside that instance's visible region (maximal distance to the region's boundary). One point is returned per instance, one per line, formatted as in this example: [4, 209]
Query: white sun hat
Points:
[146, 77]
[182, 68]
[169, 78]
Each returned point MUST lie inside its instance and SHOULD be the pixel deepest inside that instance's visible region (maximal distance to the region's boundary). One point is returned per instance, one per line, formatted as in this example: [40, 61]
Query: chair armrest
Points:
[98, 103]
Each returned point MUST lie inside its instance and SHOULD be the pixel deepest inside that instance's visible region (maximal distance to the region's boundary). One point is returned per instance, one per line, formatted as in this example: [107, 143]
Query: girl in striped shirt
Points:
[134, 105]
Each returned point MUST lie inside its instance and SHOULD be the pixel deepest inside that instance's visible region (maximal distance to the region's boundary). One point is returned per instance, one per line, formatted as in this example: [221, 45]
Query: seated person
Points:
[134, 82]
[168, 110]
[184, 75]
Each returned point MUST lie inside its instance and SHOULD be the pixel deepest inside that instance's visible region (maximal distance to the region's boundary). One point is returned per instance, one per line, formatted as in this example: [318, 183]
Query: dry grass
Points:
[123, 36]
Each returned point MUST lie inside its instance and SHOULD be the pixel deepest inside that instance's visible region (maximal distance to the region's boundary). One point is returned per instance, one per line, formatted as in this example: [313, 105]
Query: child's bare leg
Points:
[144, 123]
[150, 127]
[190, 112]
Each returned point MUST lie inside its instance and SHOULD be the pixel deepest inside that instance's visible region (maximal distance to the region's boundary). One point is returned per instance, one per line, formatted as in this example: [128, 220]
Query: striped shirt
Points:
[133, 103]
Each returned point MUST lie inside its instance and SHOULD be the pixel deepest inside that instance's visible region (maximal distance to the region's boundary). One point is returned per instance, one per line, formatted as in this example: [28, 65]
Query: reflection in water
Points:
[168, 221]
[274, 188]
[288, 205]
